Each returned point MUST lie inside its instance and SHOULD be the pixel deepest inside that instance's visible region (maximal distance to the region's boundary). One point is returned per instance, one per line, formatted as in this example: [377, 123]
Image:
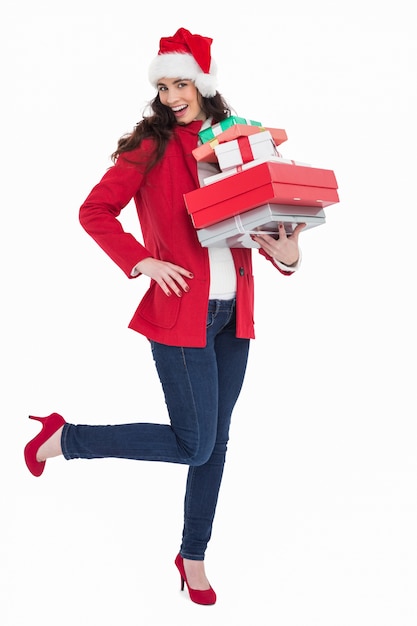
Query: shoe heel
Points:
[38, 419]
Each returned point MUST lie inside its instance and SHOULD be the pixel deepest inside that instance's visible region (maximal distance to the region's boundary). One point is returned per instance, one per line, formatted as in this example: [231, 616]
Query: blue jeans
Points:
[201, 387]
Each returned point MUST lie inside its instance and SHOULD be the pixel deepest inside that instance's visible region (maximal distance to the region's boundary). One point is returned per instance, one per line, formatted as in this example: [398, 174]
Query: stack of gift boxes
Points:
[256, 188]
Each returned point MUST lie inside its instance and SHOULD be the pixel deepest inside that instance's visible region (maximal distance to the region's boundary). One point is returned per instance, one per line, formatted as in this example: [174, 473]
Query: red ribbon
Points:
[245, 149]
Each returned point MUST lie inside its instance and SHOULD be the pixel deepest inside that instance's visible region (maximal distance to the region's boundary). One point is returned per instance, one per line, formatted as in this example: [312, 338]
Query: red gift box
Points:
[269, 182]
[213, 178]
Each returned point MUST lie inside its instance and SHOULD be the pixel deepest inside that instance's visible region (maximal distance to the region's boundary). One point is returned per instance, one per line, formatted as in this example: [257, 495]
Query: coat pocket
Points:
[158, 309]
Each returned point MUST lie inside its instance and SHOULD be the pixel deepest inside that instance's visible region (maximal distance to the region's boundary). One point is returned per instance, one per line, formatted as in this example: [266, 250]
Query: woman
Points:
[198, 311]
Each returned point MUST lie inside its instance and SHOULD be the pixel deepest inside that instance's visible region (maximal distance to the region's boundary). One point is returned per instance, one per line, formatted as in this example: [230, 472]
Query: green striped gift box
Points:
[210, 133]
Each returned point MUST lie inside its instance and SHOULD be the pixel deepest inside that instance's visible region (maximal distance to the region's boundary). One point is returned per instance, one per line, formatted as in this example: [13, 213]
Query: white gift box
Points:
[245, 149]
[235, 232]
[241, 168]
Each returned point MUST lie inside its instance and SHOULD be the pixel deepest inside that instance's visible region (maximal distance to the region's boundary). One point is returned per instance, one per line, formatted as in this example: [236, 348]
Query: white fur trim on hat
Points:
[183, 65]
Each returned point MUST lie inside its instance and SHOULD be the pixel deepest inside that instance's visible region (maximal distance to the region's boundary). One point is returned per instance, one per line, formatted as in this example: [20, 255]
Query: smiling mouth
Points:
[179, 109]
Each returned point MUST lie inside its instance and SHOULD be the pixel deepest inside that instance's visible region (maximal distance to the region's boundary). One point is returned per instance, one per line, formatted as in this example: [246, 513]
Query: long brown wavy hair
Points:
[160, 123]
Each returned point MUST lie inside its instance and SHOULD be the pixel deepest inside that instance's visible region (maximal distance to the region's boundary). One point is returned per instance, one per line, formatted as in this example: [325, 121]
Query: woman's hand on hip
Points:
[170, 277]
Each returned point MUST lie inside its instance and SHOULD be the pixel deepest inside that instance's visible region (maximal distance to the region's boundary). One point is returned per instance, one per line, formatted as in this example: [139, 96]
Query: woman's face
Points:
[182, 97]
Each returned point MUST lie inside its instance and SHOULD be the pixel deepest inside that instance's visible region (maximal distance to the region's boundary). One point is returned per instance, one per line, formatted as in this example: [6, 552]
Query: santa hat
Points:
[185, 56]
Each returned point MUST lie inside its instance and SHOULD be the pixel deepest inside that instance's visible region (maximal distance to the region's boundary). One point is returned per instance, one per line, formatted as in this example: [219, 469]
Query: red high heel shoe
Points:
[205, 596]
[50, 425]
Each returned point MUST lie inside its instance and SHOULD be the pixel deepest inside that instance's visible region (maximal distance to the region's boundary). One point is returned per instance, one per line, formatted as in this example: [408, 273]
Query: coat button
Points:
[241, 271]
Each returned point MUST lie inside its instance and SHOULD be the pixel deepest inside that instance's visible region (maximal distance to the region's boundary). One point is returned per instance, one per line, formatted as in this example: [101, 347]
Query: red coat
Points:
[168, 235]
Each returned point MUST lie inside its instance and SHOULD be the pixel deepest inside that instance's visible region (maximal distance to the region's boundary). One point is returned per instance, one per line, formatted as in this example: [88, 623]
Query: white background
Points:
[316, 523]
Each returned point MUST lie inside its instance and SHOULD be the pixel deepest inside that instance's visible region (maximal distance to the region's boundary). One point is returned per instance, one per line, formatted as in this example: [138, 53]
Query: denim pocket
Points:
[210, 318]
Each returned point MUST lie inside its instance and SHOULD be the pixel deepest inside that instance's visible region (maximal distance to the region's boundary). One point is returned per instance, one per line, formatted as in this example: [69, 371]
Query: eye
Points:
[162, 88]
[182, 84]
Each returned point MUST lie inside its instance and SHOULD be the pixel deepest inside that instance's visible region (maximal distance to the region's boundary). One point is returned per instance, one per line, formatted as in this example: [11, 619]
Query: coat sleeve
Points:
[99, 214]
